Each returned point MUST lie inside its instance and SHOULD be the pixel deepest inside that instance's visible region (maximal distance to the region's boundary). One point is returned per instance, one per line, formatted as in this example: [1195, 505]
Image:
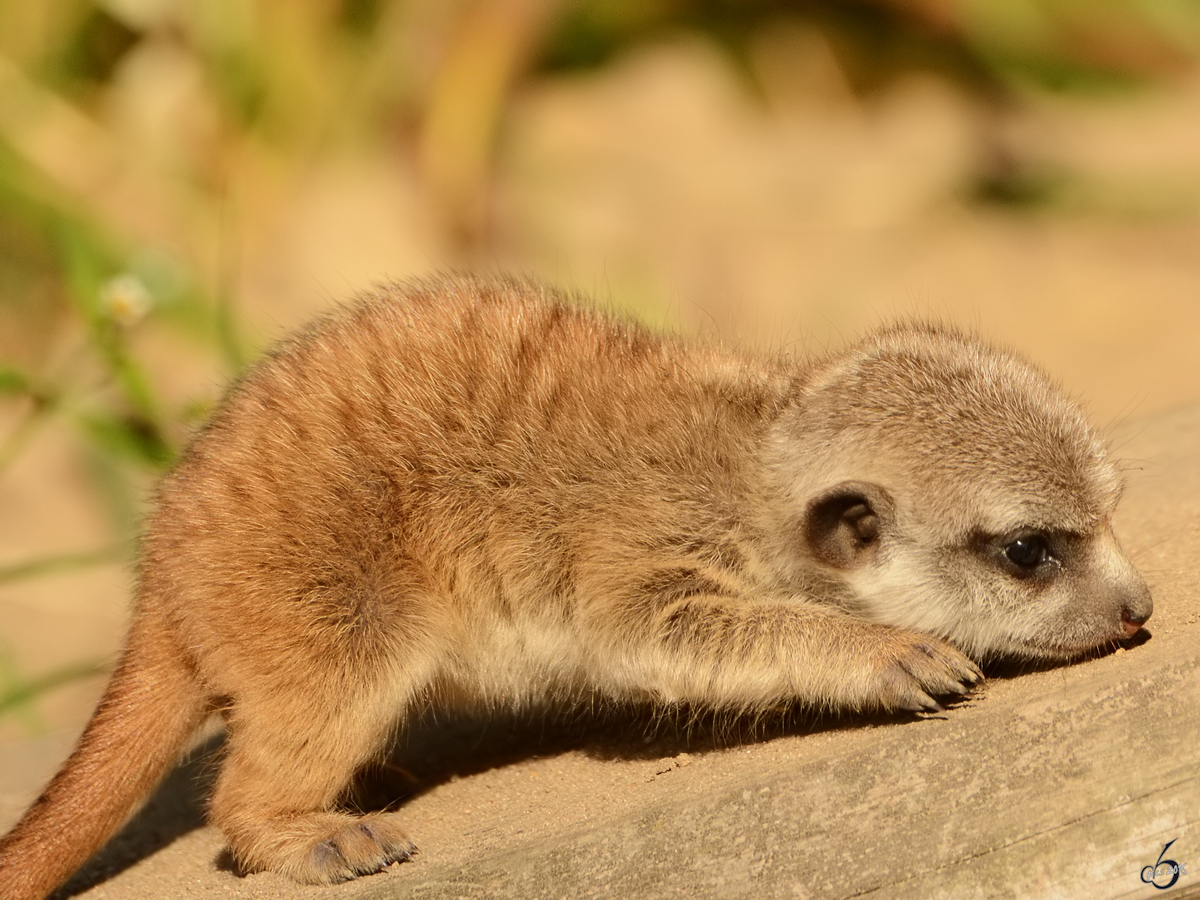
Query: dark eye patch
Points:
[1025, 553]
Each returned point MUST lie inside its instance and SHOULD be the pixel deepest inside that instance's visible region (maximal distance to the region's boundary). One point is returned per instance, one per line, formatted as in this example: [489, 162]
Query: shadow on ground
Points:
[442, 748]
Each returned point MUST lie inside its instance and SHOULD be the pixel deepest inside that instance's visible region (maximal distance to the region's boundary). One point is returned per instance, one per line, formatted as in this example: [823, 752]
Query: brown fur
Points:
[465, 491]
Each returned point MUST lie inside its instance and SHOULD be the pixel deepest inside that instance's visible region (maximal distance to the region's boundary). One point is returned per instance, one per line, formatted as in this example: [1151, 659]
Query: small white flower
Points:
[125, 299]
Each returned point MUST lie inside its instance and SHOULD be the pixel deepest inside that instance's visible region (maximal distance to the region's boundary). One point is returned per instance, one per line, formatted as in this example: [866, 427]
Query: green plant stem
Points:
[15, 442]
[56, 565]
[29, 690]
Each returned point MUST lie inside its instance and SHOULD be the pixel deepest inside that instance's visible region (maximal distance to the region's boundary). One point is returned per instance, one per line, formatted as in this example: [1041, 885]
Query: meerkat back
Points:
[466, 491]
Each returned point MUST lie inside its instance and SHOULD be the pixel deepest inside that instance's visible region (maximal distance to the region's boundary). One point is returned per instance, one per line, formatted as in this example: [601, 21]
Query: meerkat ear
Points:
[844, 524]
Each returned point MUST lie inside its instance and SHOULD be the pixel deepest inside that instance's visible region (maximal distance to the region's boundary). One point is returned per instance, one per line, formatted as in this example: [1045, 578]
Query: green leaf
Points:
[13, 382]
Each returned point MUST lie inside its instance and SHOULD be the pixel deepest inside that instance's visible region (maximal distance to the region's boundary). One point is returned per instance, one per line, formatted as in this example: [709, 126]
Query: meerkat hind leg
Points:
[276, 799]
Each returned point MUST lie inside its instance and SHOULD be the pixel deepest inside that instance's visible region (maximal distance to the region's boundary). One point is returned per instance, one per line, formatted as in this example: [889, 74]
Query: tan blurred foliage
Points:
[791, 171]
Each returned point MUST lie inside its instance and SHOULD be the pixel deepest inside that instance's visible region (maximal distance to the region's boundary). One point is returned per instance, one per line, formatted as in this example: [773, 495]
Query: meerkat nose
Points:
[1132, 622]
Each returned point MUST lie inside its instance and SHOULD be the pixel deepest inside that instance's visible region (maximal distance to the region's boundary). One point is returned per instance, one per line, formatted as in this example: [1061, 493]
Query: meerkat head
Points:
[933, 483]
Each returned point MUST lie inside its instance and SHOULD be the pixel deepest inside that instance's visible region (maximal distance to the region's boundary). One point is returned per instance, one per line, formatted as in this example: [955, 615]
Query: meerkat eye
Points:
[1028, 552]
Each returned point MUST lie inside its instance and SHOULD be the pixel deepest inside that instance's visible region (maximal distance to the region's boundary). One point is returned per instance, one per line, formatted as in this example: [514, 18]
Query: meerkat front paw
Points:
[325, 848]
[915, 668]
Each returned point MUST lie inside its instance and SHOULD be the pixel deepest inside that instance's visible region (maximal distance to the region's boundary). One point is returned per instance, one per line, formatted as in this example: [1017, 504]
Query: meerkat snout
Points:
[1117, 579]
[468, 491]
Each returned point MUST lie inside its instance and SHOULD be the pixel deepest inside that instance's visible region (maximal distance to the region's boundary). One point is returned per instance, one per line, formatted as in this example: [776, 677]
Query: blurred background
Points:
[181, 182]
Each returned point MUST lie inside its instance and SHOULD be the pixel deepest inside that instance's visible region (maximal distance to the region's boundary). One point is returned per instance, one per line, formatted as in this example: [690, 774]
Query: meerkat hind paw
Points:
[351, 846]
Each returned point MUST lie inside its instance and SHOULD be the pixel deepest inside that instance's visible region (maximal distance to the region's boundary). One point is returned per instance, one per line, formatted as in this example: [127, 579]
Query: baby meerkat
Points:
[472, 491]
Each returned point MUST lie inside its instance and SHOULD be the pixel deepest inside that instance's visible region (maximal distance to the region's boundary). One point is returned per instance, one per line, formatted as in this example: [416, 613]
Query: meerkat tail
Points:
[151, 707]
